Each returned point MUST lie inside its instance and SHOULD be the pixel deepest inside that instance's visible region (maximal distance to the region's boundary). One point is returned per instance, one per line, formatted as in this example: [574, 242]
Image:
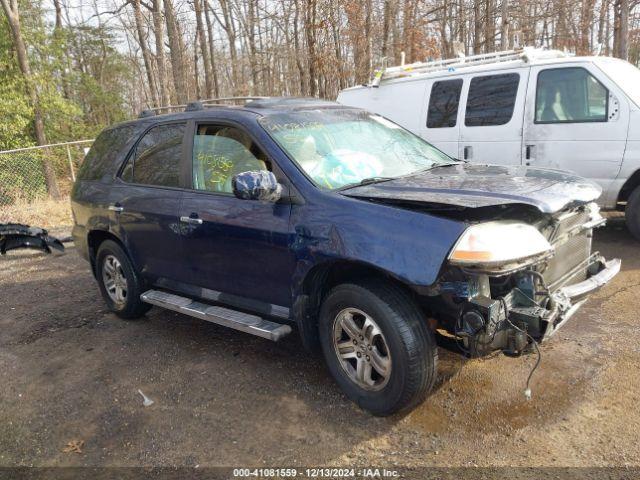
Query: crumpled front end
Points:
[507, 305]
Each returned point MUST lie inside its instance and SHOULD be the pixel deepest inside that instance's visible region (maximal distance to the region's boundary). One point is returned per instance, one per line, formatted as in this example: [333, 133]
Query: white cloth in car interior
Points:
[558, 109]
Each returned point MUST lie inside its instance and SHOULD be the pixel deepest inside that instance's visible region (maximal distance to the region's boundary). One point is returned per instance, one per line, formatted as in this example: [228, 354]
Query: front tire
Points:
[632, 213]
[377, 346]
[120, 285]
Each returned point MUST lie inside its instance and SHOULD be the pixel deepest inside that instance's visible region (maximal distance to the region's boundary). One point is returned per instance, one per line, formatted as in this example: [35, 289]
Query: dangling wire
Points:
[527, 391]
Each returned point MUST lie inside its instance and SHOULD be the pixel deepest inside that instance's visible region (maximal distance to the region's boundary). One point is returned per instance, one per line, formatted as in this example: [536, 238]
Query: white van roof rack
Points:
[526, 54]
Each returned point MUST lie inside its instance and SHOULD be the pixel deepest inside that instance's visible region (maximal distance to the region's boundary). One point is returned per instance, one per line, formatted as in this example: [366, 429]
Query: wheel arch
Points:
[319, 281]
[629, 186]
[94, 239]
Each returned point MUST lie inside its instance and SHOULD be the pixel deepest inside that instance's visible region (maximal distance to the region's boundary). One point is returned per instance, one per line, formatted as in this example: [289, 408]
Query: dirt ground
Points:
[69, 370]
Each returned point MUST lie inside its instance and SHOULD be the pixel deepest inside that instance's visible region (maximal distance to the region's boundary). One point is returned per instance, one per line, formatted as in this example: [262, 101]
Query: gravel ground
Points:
[70, 371]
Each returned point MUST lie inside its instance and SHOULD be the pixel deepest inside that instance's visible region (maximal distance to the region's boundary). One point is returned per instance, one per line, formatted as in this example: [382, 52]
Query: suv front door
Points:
[236, 250]
[145, 198]
[575, 120]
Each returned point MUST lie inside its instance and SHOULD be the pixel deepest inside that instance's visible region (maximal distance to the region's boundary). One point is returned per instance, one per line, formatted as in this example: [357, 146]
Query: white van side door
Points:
[576, 119]
[491, 119]
[441, 126]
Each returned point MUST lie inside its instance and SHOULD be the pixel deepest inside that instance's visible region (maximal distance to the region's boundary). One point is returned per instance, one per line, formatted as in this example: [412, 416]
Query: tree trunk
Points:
[206, 60]
[489, 27]
[251, 40]
[621, 29]
[477, 27]
[504, 26]
[212, 53]
[386, 27]
[10, 8]
[310, 30]
[176, 53]
[298, 51]
[58, 9]
[230, 30]
[146, 56]
[158, 32]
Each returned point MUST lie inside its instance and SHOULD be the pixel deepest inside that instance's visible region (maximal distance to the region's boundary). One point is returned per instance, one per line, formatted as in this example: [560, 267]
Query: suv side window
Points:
[491, 100]
[570, 95]
[219, 153]
[443, 103]
[156, 160]
[105, 155]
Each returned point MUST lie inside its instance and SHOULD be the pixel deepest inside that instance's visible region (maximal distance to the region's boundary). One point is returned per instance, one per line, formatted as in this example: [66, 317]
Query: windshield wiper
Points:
[365, 181]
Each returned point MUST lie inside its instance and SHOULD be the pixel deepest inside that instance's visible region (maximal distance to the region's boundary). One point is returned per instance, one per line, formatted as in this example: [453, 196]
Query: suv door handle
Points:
[116, 208]
[191, 220]
[468, 152]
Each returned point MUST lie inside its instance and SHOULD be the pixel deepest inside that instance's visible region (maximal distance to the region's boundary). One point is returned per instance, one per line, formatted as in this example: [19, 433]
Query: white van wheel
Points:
[632, 213]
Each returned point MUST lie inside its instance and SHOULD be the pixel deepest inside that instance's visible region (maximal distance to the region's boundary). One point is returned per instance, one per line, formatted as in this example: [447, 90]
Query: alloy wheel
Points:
[361, 349]
[114, 279]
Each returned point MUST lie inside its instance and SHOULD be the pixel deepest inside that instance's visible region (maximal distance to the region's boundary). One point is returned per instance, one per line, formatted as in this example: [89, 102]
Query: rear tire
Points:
[120, 285]
[401, 346]
[632, 213]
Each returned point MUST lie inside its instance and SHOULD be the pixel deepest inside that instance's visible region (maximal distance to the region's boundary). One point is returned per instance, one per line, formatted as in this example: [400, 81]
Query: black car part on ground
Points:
[17, 235]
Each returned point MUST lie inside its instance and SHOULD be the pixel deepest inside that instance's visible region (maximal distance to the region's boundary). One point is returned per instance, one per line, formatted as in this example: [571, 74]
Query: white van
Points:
[542, 108]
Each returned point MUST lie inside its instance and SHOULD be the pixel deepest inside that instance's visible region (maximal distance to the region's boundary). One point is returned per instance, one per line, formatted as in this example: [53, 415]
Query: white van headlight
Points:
[492, 244]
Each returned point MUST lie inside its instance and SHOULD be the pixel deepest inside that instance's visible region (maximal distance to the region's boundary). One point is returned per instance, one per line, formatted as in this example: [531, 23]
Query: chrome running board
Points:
[222, 316]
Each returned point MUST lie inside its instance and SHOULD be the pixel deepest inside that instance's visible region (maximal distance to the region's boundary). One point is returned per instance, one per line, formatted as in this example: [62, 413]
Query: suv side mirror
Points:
[259, 185]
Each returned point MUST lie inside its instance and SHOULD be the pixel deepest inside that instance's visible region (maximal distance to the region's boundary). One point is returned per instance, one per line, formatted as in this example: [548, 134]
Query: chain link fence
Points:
[24, 196]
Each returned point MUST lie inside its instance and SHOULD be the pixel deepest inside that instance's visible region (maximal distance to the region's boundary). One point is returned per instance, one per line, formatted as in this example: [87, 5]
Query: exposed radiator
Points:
[570, 251]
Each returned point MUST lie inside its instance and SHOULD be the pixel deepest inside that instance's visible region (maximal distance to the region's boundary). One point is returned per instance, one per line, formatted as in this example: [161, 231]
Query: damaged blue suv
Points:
[297, 213]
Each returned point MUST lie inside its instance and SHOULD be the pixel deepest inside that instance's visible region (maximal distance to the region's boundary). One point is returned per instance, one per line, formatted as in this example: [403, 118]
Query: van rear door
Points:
[491, 121]
[576, 119]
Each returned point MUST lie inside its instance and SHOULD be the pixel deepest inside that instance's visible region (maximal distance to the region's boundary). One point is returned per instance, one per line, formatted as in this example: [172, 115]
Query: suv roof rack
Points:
[526, 54]
[196, 105]
[290, 102]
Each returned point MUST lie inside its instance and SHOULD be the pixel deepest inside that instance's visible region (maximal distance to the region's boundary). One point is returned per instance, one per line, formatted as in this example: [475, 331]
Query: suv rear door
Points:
[236, 249]
[145, 199]
[491, 126]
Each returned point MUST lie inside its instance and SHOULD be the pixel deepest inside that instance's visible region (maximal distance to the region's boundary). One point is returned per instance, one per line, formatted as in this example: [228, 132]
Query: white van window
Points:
[491, 100]
[443, 104]
[570, 95]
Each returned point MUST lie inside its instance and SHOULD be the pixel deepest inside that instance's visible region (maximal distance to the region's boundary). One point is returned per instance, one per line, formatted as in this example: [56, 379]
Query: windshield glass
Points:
[341, 147]
[625, 75]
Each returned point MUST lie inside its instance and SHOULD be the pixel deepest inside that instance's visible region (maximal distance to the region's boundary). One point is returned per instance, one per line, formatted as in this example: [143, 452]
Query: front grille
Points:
[570, 251]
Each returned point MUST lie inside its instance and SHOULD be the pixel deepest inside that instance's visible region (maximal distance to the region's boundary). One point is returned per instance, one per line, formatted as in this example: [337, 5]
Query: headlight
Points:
[493, 244]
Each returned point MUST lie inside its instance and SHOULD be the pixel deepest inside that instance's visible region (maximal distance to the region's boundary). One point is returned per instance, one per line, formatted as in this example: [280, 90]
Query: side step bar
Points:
[220, 315]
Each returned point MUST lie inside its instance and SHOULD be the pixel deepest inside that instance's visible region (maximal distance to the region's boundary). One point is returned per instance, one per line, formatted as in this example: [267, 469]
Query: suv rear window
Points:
[104, 157]
[443, 104]
[491, 100]
[156, 160]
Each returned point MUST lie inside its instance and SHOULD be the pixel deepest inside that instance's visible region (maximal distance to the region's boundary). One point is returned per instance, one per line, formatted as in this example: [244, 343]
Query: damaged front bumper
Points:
[525, 314]
[16, 235]
[571, 297]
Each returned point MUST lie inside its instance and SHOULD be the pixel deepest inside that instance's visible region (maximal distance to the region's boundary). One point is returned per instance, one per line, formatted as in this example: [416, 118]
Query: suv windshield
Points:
[337, 148]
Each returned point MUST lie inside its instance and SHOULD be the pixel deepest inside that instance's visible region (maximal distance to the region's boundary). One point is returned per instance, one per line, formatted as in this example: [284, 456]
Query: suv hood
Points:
[473, 186]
